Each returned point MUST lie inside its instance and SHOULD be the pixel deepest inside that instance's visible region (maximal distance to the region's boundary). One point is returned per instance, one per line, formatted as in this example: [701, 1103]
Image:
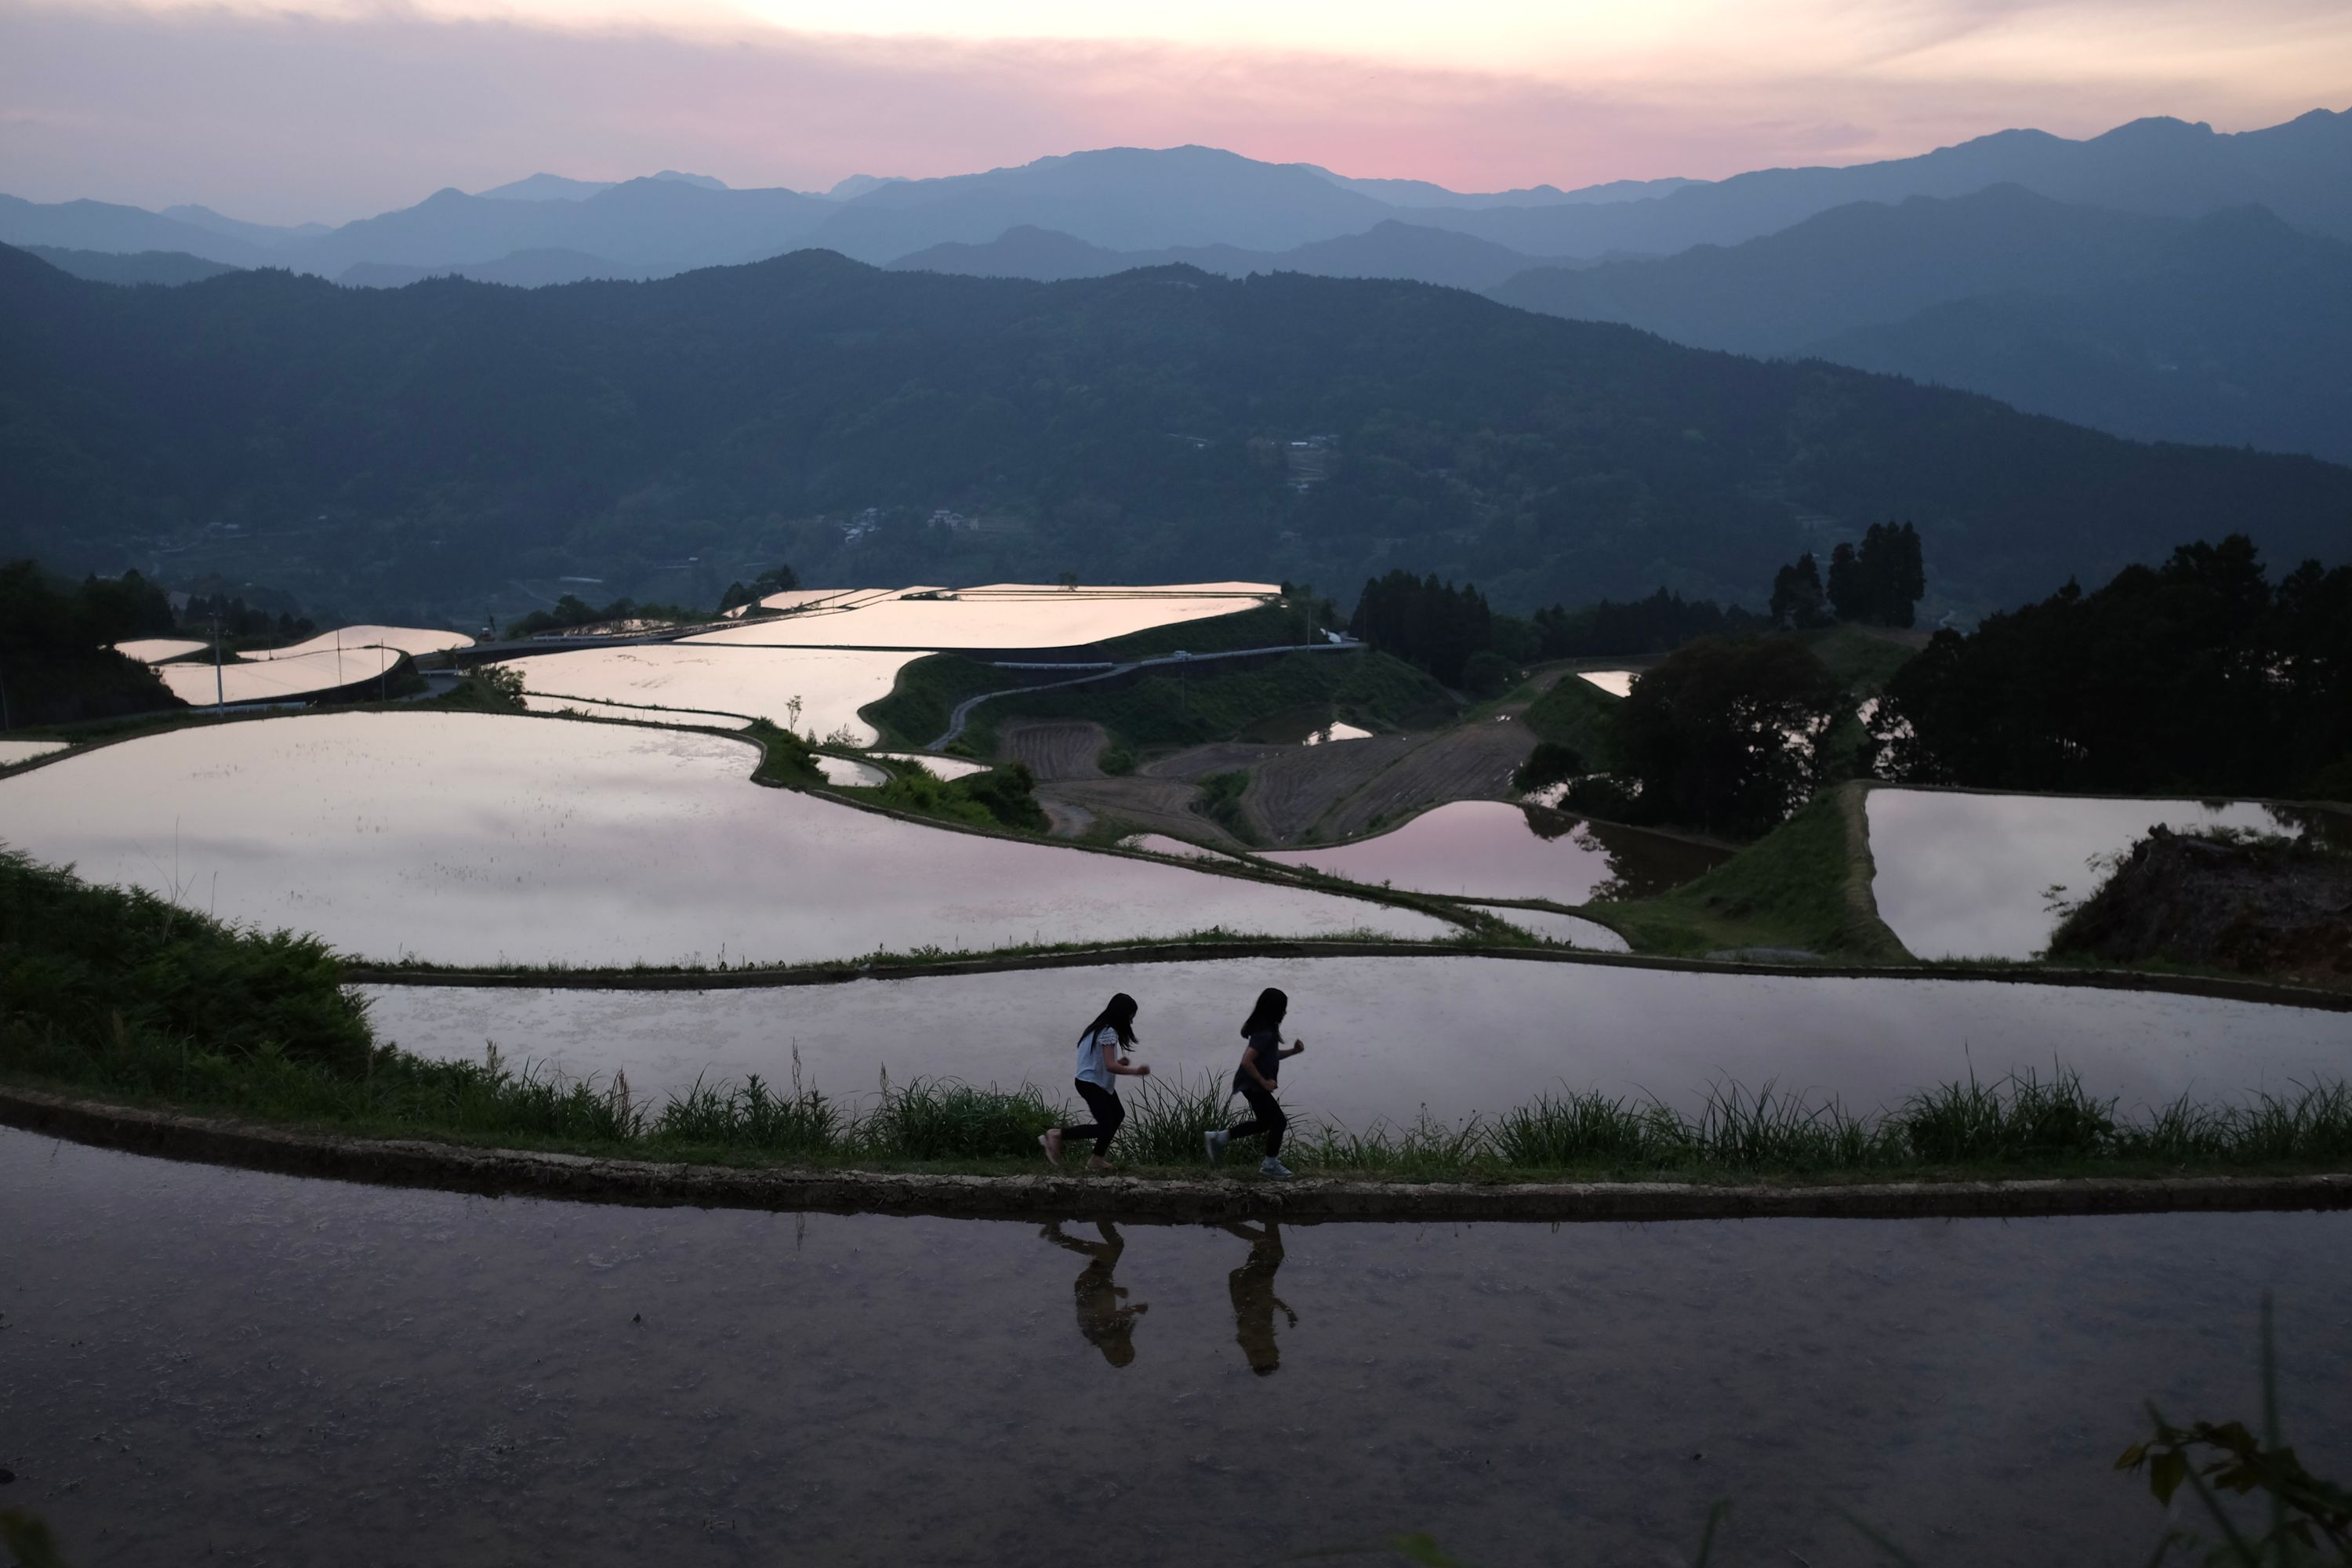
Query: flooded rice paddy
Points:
[403, 639]
[155, 650]
[1987, 876]
[287, 678]
[1163, 843]
[14, 752]
[1572, 929]
[938, 767]
[1503, 851]
[481, 838]
[635, 713]
[1616, 682]
[1000, 615]
[1388, 1037]
[757, 682]
[221, 1365]
[851, 774]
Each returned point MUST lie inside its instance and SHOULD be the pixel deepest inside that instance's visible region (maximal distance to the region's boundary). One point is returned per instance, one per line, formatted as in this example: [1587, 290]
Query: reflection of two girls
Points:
[1108, 1321]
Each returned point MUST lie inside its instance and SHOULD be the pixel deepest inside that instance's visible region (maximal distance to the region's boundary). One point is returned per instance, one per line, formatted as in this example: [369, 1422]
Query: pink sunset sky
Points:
[329, 109]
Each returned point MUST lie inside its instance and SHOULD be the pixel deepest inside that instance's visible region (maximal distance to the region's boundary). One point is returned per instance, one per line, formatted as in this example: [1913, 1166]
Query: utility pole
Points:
[220, 699]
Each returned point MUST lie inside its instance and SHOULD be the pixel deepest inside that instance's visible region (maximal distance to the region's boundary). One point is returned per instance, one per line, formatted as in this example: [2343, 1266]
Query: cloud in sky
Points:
[332, 109]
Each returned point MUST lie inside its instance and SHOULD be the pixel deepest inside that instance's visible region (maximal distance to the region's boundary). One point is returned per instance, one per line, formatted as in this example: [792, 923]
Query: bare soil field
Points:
[1218, 757]
[1153, 806]
[1472, 762]
[1291, 791]
[1055, 750]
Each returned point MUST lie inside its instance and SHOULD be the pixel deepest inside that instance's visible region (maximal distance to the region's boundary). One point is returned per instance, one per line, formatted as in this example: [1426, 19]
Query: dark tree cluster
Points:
[776, 580]
[1881, 584]
[1797, 601]
[1723, 735]
[572, 612]
[238, 621]
[2199, 675]
[1435, 626]
[1659, 624]
[54, 662]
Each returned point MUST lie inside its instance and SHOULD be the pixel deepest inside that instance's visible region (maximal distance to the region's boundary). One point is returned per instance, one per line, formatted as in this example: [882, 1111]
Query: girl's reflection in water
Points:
[1253, 1299]
[1107, 1325]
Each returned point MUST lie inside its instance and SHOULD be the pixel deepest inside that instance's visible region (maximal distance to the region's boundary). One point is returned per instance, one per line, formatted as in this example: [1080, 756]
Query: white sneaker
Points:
[1270, 1166]
[1216, 1141]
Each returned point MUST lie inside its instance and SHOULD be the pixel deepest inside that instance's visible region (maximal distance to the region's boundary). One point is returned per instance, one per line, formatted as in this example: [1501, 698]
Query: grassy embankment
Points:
[1805, 885]
[1167, 708]
[126, 997]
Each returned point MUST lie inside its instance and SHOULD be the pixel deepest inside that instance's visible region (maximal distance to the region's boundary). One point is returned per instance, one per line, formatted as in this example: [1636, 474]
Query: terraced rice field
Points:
[484, 839]
[1963, 875]
[1388, 1037]
[305, 1370]
[1474, 762]
[998, 616]
[1474, 848]
[1055, 750]
[286, 679]
[14, 752]
[938, 767]
[633, 713]
[155, 650]
[758, 683]
[411, 640]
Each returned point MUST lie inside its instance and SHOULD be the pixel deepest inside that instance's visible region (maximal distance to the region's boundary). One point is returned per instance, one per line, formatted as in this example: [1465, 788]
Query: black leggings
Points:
[1266, 1116]
[1108, 1114]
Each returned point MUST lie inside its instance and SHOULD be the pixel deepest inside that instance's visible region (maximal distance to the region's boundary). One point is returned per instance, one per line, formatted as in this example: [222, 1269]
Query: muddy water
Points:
[14, 752]
[287, 678]
[1979, 876]
[480, 838]
[1573, 930]
[1388, 1036]
[1503, 851]
[214, 1365]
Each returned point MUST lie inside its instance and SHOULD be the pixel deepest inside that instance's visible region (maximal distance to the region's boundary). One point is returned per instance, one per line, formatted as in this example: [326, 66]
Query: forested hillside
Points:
[424, 445]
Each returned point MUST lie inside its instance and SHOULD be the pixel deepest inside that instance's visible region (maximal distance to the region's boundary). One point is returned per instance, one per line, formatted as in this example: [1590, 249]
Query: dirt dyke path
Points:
[518, 1172]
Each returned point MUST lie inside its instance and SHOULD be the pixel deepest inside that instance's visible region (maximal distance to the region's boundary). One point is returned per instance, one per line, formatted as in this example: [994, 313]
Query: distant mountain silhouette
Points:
[262, 234]
[2221, 329]
[1387, 250]
[2238, 332]
[2301, 171]
[1195, 199]
[644, 224]
[1124, 198]
[103, 225]
[1410, 194]
[1126, 428]
[546, 187]
[523, 269]
[168, 267]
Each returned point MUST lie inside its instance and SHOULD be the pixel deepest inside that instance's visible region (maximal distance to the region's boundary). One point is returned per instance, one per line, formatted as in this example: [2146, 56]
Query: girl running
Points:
[1102, 1060]
[1253, 1080]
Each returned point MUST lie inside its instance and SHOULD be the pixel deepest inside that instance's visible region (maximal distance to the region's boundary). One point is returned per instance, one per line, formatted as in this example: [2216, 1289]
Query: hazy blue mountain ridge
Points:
[168, 268]
[428, 444]
[1189, 198]
[1390, 248]
[2231, 329]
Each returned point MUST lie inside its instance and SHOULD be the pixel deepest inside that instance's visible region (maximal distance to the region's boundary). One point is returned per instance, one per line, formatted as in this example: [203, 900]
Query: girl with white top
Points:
[1102, 1061]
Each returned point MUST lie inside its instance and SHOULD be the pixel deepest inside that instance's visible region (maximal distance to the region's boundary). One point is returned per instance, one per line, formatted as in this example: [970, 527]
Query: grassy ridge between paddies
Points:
[125, 997]
[921, 703]
[1805, 885]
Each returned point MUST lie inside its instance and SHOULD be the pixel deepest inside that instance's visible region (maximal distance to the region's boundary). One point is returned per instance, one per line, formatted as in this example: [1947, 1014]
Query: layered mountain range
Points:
[2161, 281]
[426, 447]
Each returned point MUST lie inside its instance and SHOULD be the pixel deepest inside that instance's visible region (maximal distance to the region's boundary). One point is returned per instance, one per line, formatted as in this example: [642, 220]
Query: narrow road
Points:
[963, 711]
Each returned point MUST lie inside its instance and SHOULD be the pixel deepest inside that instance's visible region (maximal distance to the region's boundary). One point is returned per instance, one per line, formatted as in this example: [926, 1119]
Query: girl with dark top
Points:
[1254, 1079]
[1102, 1061]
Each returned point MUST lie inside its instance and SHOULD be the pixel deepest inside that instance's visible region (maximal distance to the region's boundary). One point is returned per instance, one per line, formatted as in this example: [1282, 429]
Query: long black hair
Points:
[1119, 1014]
[1268, 1012]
